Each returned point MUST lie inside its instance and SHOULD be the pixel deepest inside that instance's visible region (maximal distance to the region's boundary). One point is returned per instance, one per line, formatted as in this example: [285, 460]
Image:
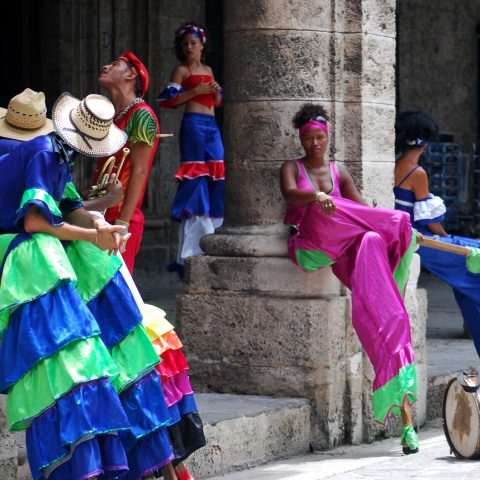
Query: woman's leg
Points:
[168, 472]
[381, 322]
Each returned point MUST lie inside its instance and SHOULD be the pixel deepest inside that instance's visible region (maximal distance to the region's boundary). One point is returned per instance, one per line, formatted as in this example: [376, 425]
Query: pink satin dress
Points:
[370, 250]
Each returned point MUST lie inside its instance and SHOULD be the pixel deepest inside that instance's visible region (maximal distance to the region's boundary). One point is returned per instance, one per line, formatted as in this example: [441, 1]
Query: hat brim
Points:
[24, 135]
[113, 142]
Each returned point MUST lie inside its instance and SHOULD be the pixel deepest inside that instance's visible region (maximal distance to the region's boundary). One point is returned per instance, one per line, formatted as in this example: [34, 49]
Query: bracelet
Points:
[318, 194]
[121, 222]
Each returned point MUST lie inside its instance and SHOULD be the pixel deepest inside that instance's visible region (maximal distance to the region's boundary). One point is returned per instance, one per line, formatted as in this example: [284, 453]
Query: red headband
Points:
[139, 67]
[313, 123]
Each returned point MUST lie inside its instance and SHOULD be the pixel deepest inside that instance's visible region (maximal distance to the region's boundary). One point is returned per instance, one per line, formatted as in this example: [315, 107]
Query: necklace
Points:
[121, 114]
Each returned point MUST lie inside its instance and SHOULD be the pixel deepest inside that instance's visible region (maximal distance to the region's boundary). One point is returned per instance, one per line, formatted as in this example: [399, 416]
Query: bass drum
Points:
[461, 420]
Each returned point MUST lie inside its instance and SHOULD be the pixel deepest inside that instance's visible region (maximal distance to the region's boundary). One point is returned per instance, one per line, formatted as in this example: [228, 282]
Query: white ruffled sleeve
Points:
[429, 210]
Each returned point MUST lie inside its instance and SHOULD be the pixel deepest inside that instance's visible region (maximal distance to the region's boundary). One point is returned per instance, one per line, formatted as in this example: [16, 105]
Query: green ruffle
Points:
[390, 397]
[40, 259]
[403, 269]
[94, 268]
[5, 240]
[78, 362]
[134, 356]
[37, 194]
[473, 260]
[311, 260]
[71, 193]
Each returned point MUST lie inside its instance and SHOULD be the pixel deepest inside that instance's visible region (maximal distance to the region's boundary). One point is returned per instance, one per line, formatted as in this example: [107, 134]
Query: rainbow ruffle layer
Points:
[185, 429]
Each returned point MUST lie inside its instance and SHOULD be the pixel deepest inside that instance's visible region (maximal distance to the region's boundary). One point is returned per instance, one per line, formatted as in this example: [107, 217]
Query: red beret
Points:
[140, 68]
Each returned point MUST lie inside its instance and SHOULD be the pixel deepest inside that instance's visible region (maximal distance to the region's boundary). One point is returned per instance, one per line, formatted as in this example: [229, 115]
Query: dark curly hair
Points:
[177, 43]
[413, 129]
[307, 112]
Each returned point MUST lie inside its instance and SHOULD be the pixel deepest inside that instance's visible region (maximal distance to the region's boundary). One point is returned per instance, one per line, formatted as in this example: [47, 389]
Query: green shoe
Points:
[409, 440]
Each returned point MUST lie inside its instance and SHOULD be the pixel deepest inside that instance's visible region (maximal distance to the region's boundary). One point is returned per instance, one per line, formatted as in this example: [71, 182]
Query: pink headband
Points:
[313, 123]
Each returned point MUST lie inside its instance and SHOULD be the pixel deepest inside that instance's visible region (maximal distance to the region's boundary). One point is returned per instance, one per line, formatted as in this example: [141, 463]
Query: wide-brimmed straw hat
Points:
[26, 117]
[87, 125]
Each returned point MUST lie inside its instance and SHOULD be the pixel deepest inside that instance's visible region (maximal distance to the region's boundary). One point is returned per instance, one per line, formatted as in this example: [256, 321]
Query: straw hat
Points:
[26, 117]
[87, 125]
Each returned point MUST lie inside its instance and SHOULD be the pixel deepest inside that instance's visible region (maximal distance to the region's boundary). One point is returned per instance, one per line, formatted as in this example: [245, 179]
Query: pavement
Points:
[376, 461]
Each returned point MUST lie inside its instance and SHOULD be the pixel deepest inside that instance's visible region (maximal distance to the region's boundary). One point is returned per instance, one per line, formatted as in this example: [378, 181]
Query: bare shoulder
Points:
[289, 165]
[180, 73]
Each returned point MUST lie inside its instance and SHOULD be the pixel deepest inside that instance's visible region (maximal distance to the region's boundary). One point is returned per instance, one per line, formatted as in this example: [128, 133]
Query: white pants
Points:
[191, 232]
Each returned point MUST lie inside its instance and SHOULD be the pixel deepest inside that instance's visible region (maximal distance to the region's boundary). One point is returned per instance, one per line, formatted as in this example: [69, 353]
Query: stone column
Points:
[252, 322]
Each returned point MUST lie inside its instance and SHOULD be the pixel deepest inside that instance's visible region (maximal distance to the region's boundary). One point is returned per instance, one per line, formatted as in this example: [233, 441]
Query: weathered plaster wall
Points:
[438, 67]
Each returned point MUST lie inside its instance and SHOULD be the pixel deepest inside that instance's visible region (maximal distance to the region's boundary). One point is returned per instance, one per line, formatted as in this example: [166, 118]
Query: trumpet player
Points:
[126, 79]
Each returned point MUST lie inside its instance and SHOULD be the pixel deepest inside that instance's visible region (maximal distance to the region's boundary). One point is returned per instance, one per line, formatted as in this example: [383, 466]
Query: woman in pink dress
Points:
[369, 249]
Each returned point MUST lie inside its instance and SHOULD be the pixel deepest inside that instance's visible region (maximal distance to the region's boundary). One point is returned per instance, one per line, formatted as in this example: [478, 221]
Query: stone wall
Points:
[438, 63]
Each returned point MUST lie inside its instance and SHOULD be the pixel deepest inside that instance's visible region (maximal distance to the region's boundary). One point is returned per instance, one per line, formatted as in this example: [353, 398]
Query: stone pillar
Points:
[252, 322]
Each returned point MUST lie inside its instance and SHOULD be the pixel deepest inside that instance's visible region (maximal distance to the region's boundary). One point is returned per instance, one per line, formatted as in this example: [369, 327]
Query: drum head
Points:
[461, 422]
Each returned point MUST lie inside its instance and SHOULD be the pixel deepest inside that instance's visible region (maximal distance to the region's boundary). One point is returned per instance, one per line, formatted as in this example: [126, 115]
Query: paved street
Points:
[377, 461]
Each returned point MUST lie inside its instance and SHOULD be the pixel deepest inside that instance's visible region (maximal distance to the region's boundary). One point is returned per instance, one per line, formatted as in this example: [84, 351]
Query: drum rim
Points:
[445, 428]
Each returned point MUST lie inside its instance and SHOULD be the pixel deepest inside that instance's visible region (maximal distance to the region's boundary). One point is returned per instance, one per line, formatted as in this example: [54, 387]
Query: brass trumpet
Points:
[100, 189]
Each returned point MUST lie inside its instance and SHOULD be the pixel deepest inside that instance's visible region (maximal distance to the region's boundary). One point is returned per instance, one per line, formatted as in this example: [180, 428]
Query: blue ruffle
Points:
[186, 405]
[150, 453]
[145, 407]
[52, 219]
[115, 310]
[91, 408]
[199, 197]
[102, 456]
[40, 328]
[172, 90]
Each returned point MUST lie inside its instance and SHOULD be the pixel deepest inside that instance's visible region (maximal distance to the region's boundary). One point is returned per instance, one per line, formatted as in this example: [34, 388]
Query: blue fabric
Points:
[452, 269]
[7, 145]
[186, 405]
[200, 138]
[200, 141]
[449, 267]
[115, 310]
[150, 453]
[89, 409]
[102, 456]
[32, 165]
[145, 407]
[198, 197]
[41, 328]
[172, 90]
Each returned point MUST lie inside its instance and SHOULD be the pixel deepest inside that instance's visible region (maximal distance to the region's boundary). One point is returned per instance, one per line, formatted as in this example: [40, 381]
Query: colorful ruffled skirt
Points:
[198, 202]
[370, 250]
[185, 429]
[77, 363]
